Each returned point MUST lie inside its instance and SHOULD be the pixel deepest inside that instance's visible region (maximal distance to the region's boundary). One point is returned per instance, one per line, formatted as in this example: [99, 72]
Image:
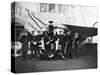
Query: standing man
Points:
[46, 44]
[25, 41]
[69, 45]
[52, 39]
[75, 44]
[38, 43]
[66, 43]
[51, 28]
[62, 43]
[33, 44]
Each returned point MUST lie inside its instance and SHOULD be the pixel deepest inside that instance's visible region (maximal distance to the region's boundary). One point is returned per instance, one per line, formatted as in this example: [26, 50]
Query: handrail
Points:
[34, 20]
[38, 19]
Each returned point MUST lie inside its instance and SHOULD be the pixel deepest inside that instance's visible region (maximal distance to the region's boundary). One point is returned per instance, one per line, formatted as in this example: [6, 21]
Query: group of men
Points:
[50, 45]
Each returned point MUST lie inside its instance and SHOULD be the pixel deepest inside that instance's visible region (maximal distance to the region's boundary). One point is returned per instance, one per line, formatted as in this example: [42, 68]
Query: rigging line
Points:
[38, 19]
[32, 26]
[91, 30]
[34, 20]
[94, 24]
[92, 27]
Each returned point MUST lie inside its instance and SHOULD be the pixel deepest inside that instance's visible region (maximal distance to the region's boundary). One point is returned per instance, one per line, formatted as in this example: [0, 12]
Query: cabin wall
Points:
[63, 14]
[69, 14]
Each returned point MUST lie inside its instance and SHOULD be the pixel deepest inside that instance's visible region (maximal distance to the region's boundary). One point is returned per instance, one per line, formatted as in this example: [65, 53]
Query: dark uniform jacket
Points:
[24, 40]
[62, 39]
[76, 41]
[38, 39]
[32, 39]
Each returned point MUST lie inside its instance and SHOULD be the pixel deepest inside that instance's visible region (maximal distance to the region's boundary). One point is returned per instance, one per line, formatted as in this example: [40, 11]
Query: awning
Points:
[88, 31]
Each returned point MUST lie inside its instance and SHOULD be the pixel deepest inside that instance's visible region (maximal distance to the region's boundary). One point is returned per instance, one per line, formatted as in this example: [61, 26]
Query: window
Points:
[52, 8]
[59, 8]
[71, 11]
[19, 11]
[43, 7]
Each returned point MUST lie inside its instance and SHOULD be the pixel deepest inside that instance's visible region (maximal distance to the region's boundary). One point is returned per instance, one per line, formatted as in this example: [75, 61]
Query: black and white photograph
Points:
[53, 37]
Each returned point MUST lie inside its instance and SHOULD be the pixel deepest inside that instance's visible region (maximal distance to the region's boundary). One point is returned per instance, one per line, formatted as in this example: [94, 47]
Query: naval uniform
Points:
[24, 40]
